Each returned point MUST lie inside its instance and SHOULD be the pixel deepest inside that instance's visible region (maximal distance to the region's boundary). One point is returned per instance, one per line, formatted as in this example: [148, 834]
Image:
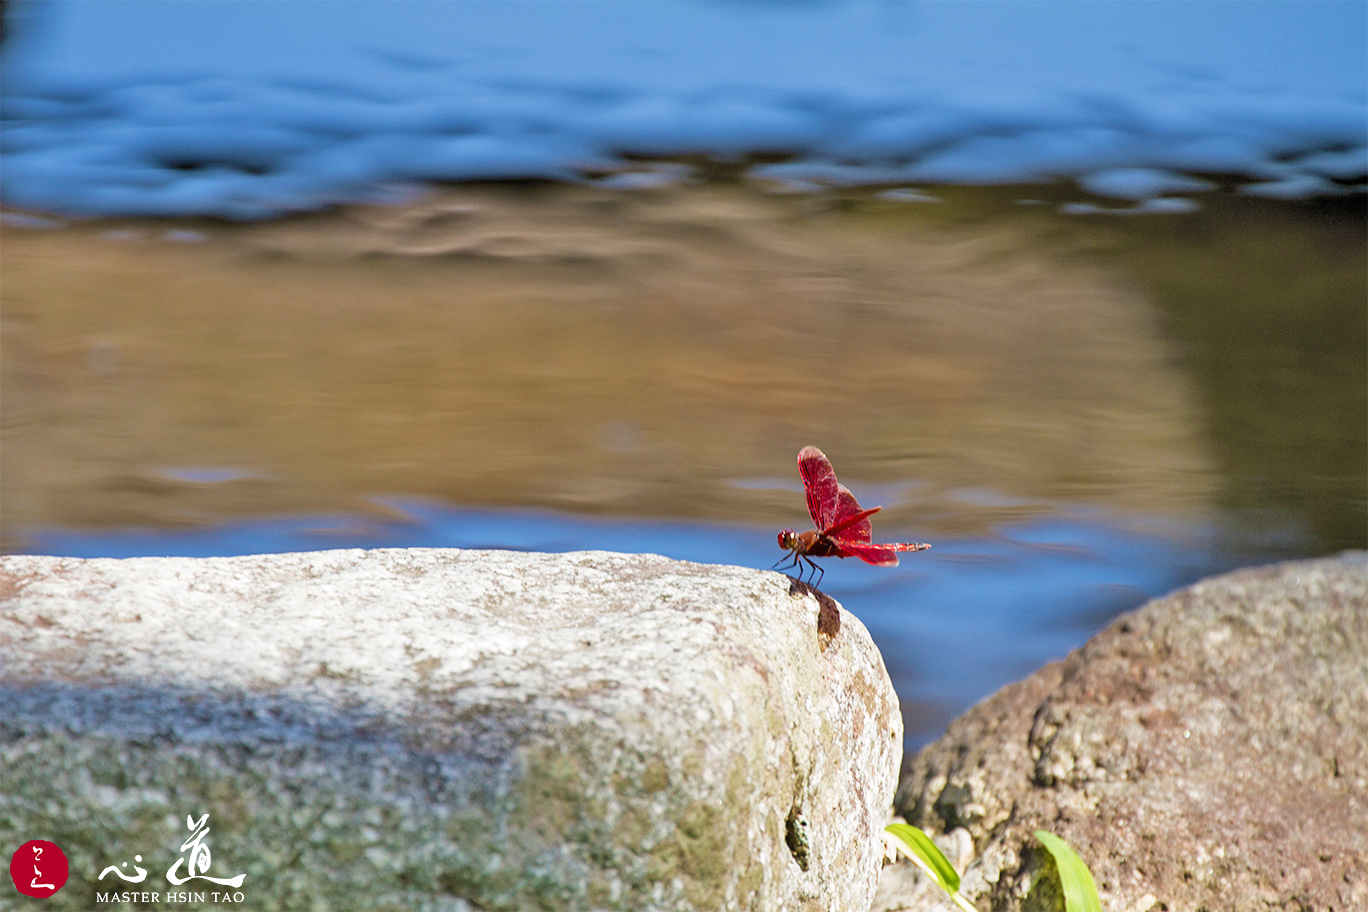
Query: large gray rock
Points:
[1208, 751]
[436, 729]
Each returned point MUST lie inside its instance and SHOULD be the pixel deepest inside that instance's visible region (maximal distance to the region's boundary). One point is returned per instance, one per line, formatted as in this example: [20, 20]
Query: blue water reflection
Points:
[954, 623]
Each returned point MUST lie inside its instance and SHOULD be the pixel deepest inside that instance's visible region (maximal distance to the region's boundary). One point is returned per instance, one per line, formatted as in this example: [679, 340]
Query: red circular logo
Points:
[39, 868]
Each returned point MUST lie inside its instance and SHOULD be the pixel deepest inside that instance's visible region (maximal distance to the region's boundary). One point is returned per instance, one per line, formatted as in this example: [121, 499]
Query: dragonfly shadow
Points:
[828, 612]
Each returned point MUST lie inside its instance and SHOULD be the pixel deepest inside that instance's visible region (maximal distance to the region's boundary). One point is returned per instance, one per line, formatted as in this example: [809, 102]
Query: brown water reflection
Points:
[646, 352]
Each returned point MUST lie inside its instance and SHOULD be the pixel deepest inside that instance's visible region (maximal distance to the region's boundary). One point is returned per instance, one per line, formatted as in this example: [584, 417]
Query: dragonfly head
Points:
[788, 539]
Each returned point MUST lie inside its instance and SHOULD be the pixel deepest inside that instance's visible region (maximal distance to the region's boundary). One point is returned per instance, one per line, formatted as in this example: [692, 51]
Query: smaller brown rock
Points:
[1209, 750]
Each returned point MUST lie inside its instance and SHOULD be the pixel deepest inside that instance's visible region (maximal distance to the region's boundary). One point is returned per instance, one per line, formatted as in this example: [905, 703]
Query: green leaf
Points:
[927, 854]
[1080, 893]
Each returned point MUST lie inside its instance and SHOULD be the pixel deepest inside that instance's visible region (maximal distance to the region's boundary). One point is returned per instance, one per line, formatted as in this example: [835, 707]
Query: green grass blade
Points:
[1080, 893]
[927, 854]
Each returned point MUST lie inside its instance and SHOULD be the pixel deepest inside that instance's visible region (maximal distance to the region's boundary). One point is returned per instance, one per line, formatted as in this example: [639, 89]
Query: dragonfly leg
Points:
[817, 572]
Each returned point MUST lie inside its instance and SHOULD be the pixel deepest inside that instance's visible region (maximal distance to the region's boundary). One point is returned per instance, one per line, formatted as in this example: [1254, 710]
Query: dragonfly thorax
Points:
[809, 544]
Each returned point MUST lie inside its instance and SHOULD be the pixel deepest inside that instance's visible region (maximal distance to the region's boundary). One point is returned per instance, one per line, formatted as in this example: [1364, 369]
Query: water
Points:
[1092, 345]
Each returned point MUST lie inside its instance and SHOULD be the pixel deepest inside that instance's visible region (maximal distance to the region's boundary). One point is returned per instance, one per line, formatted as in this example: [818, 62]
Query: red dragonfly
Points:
[842, 524]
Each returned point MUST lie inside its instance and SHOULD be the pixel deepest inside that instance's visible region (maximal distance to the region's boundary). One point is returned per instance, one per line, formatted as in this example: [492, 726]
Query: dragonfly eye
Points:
[786, 539]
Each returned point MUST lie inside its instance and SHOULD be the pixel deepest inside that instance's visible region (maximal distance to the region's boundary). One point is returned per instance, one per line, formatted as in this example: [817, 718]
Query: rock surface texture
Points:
[437, 729]
[1206, 752]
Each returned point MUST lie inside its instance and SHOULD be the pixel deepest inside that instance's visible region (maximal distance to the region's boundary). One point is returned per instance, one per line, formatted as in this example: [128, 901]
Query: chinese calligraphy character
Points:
[142, 872]
[199, 857]
[34, 884]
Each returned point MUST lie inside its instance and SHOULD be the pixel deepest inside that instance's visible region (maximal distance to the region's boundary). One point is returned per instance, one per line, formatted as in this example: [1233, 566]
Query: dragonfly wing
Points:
[847, 516]
[854, 527]
[878, 555]
[903, 546]
[820, 486]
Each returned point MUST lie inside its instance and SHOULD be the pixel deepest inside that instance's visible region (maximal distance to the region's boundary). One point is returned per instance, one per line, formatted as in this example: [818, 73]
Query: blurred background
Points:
[1076, 291]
